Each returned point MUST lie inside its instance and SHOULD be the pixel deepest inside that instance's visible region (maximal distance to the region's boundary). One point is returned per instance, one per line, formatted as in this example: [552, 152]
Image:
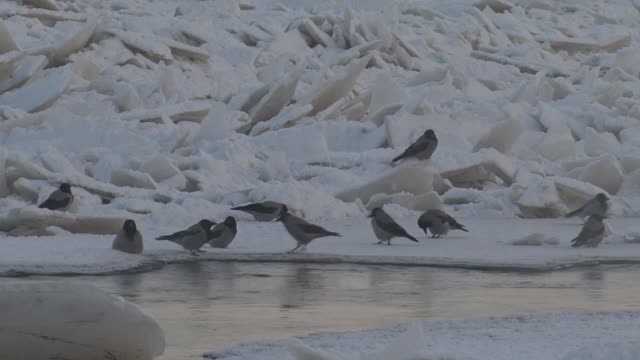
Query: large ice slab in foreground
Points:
[64, 320]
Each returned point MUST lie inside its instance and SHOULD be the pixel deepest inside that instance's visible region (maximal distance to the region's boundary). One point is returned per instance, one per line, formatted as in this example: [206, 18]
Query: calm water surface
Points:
[204, 306]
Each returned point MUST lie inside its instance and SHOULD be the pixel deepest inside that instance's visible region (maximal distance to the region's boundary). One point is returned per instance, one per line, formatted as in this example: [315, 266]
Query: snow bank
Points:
[47, 319]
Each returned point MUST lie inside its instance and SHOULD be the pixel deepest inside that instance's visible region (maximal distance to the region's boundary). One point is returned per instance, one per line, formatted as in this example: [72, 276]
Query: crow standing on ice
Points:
[386, 228]
[592, 232]
[301, 230]
[193, 238]
[439, 223]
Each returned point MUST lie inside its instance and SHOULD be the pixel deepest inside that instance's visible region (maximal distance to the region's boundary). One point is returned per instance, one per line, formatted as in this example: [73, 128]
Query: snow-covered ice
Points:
[559, 336]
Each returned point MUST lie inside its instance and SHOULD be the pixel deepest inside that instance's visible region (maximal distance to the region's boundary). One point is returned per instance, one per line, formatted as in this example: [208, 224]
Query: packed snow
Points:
[66, 320]
[560, 336]
[173, 111]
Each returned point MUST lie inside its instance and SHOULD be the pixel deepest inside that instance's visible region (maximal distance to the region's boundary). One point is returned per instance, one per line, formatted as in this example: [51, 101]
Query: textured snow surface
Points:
[560, 336]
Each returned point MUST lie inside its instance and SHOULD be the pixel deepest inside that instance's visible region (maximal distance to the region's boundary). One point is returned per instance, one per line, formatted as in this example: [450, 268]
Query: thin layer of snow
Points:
[559, 336]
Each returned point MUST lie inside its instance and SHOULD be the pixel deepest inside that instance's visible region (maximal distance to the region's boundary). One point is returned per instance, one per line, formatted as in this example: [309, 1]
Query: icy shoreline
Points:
[481, 249]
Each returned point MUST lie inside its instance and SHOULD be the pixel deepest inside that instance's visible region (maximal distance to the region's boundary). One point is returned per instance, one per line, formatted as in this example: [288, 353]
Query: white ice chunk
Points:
[35, 218]
[326, 93]
[631, 136]
[150, 45]
[596, 144]
[126, 97]
[353, 136]
[9, 61]
[40, 93]
[501, 136]
[7, 44]
[279, 96]
[540, 199]
[575, 192]
[411, 179]
[43, 4]
[132, 178]
[628, 60]
[386, 92]
[160, 168]
[28, 68]
[605, 173]
[630, 163]
[304, 143]
[557, 143]
[73, 42]
[74, 321]
[192, 110]
[184, 50]
[536, 239]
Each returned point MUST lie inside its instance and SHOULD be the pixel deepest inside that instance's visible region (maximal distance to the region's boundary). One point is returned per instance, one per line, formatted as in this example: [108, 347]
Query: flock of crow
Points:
[220, 235]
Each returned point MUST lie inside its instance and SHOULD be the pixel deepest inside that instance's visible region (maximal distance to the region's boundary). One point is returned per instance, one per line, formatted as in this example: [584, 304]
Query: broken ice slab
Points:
[181, 49]
[498, 6]
[32, 217]
[28, 68]
[73, 43]
[43, 4]
[40, 93]
[605, 172]
[409, 179]
[132, 178]
[329, 91]
[487, 164]
[280, 94]
[9, 61]
[149, 45]
[320, 37]
[44, 15]
[574, 191]
[192, 110]
[526, 68]
[6, 40]
[501, 136]
[612, 42]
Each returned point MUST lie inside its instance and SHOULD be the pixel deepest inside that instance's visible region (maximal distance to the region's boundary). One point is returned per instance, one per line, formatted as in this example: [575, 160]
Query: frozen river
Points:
[205, 306]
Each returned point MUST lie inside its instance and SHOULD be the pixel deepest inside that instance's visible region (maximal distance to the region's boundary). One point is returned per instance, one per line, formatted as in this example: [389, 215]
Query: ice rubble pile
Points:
[46, 320]
[202, 106]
